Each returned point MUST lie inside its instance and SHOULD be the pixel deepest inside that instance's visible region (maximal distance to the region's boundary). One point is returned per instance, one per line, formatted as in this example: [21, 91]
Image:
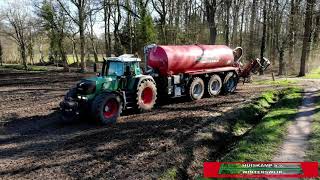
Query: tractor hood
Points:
[101, 82]
[86, 87]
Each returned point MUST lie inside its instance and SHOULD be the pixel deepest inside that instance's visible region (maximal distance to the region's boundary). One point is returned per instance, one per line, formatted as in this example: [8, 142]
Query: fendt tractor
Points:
[194, 71]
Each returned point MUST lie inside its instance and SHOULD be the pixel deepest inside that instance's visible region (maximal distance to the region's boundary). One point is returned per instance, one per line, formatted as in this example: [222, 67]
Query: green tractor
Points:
[120, 85]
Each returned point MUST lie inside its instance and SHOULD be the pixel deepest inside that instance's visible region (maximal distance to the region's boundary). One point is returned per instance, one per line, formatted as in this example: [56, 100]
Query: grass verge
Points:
[314, 74]
[277, 82]
[252, 127]
[21, 67]
[313, 152]
[261, 143]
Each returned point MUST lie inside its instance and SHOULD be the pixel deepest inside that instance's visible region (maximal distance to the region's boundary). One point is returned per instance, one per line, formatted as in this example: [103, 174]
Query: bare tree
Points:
[307, 36]
[92, 20]
[80, 20]
[107, 21]
[227, 7]
[1, 53]
[235, 14]
[18, 27]
[161, 8]
[294, 8]
[264, 32]
[252, 28]
[210, 8]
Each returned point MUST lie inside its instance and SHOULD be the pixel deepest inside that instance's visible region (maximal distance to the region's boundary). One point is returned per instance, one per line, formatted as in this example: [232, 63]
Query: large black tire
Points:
[196, 89]
[146, 95]
[230, 83]
[106, 108]
[214, 85]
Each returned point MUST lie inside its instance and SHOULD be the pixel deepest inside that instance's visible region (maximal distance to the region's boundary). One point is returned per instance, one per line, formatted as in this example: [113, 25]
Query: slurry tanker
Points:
[192, 71]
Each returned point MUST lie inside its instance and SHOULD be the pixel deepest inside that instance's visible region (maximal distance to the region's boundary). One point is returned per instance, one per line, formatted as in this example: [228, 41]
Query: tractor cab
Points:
[118, 73]
[124, 65]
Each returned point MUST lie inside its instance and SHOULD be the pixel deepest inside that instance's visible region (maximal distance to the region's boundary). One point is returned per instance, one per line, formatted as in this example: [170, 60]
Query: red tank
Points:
[171, 60]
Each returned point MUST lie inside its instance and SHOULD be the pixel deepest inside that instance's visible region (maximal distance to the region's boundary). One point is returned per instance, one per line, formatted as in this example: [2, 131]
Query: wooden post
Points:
[273, 77]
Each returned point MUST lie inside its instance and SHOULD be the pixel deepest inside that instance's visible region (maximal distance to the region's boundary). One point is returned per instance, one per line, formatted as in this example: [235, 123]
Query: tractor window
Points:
[115, 68]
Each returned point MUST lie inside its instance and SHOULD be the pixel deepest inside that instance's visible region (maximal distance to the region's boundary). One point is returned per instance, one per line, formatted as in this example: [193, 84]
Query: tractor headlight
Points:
[86, 87]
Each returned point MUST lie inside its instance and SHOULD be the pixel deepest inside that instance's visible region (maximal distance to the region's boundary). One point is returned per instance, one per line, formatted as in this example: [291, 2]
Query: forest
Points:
[76, 32]
[155, 110]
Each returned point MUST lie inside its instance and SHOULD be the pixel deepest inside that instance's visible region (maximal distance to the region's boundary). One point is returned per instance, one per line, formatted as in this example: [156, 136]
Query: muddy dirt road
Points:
[35, 144]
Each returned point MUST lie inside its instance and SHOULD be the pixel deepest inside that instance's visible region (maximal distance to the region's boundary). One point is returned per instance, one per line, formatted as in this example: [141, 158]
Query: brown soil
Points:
[36, 144]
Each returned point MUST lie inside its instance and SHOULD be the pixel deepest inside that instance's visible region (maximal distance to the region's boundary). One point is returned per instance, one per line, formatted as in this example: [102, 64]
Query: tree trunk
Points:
[210, 6]
[242, 22]
[227, 22]
[317, 31]
[251, 53]
[235, 22]
[264, 31]
[107, 18]
[81, 25]
[41, 53]
[82, 52]
[292, 32]
[306, 37]
[281, 61]
[23, 56]
[63, 54]
[1, 54]
[93, 44]
[74, 51]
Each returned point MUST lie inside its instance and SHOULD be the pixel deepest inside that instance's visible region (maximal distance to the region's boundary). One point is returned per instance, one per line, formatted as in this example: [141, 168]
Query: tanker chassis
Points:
[194, 71]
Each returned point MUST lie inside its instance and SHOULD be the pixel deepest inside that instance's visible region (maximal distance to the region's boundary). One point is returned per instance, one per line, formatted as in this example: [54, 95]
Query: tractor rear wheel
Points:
[214, 85]
[106, 108]
[196, 89]
[146, 95]
[230, 83]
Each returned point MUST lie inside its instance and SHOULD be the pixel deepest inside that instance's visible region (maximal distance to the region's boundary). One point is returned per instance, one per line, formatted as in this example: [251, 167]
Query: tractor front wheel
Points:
[106, 108]
[146, 95]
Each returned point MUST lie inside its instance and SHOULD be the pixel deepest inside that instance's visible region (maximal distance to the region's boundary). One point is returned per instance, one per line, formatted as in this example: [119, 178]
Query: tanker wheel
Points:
[214, 85]
[230, 83]
[196, 89]
[146, 95]
[106, 108]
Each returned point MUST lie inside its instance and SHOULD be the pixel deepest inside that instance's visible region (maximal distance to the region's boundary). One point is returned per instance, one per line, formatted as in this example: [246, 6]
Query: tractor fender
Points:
[142, 78]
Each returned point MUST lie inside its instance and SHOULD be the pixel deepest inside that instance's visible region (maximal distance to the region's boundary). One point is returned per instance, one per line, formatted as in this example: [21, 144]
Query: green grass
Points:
[170, 174]
[281, 104]
[72, 61]
[314, 74]
[21, 67]
[313, 152]
[265, 138]
[277, 82]
[251, 112]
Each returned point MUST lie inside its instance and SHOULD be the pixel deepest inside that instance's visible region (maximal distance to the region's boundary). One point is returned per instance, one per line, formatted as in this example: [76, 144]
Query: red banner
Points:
[261, 169]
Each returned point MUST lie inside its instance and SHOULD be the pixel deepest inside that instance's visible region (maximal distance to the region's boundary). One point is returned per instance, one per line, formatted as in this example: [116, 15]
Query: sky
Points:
[98, 27]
